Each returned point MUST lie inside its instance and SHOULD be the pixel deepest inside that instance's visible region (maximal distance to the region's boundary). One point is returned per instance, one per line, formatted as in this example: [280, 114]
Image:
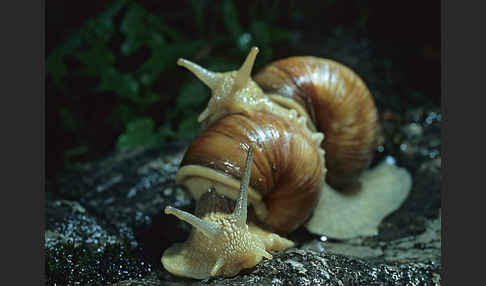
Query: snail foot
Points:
[343, 216]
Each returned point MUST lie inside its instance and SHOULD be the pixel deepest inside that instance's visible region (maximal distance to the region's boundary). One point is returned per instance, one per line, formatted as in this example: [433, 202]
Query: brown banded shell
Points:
[288, 168]
[338, 103]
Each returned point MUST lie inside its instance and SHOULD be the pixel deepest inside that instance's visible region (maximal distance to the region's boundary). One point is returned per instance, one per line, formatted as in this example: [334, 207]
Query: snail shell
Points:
[339, 105]
[277, 184]
[284, 114]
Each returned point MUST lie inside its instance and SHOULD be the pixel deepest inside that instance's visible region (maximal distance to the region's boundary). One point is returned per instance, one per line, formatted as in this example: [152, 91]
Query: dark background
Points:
[91, 108]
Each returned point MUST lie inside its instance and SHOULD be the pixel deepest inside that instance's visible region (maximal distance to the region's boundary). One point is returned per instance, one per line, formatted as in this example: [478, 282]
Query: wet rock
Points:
[69, 222]
[353, 250]
[70, 264]
[127, 238]
[299, 267]
[81, 249]
[129, 190]
[128, 187]
[412, 137]
[423, 247]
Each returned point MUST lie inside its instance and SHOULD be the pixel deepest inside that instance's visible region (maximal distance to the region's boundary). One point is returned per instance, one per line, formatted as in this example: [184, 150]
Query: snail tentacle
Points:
[244, 73]
[208, 77]
[217, 266]
[209, 229]
[241, 208]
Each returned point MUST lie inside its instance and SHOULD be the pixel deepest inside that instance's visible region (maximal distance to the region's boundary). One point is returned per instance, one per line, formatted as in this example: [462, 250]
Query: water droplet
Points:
[390, 160]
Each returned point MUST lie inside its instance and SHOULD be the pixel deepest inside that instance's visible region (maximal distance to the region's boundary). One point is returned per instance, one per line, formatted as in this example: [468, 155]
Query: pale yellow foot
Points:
[383, 190]
[272, 241]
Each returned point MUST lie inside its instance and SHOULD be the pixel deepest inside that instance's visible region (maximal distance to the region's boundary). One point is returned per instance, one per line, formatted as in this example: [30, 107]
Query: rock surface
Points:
[117, 233]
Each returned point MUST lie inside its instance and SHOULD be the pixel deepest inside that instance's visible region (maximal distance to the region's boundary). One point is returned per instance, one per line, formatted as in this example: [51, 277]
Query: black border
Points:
[23, 142]
[42, 135]
[463, 81]
[444, 216]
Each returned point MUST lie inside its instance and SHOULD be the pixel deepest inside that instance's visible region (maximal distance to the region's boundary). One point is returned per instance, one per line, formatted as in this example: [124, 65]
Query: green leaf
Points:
[101, 28]
[123, 84]
[164, 58]
[96, 60]
[136, 30]
[93, 32]
[188, 127]
[159, 61]
[121, 115]
[149, 98]
[139, 133]
[193, 96]
[158, 25]
[166, 132]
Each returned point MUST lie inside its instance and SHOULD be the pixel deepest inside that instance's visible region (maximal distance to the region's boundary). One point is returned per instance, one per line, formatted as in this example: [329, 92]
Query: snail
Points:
[305, 130]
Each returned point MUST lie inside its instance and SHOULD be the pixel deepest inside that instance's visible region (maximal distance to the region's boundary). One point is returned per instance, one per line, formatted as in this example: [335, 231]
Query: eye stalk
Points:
[241, 208]
[209, 78]
[210, 230]
[244, 73]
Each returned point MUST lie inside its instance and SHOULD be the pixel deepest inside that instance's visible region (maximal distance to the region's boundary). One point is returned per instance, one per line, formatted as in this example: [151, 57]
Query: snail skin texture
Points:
[305, 130]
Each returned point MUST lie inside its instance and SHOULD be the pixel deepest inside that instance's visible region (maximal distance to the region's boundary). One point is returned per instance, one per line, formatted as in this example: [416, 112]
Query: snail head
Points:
[227, 88]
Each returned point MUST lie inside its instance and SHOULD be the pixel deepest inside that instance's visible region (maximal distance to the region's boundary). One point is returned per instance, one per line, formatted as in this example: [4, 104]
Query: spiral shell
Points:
[286, 163]
[339, 105]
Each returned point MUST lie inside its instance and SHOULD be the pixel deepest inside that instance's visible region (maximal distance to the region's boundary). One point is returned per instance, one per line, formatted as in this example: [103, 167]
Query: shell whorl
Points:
[338, 103]
[280, 173]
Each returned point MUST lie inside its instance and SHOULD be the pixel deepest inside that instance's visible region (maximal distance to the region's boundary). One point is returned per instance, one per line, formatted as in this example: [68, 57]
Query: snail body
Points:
[303, 125]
